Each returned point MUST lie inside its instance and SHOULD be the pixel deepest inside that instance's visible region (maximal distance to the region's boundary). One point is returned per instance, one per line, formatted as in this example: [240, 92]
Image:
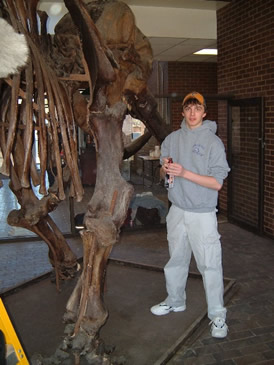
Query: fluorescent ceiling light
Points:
[207, 51]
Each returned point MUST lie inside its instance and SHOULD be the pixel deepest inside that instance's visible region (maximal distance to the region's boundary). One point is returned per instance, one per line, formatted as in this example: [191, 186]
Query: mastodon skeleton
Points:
[97, 46]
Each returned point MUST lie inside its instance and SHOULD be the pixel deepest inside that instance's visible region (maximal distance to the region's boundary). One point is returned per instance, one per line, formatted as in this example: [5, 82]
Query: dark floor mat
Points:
[37, 310]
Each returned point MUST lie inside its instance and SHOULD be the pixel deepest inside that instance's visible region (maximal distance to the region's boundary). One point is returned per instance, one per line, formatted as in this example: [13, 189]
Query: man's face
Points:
[194, 114]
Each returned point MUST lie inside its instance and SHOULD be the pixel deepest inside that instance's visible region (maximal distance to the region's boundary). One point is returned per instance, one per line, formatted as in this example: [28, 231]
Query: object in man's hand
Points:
[169, 179]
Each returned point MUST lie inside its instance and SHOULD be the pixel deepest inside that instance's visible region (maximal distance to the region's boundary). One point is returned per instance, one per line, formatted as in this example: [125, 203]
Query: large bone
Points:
[28, 132]
[5, 170]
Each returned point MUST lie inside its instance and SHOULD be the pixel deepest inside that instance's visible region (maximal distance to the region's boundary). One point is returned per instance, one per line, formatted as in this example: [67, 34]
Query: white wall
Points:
[176, 22]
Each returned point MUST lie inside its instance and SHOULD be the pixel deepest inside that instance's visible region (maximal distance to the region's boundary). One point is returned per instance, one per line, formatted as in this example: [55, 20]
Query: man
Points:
[199, 168]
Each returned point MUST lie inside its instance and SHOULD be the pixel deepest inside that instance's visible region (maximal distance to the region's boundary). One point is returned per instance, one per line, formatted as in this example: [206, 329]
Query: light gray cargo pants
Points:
[194, 232]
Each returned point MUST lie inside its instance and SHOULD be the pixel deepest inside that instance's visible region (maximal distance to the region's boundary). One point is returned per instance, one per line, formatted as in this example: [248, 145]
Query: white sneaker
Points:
[219, 328]
[163, 308]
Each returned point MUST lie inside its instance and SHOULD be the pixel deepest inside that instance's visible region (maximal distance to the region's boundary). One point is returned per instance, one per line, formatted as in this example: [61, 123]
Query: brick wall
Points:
[245, 33]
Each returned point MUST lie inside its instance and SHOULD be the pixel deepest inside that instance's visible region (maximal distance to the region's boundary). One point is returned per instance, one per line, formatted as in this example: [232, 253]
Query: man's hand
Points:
[165, 164]
[164, 168]
[176, 169]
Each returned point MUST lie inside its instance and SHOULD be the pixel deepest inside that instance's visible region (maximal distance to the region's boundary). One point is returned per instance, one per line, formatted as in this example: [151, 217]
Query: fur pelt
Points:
[13, 50]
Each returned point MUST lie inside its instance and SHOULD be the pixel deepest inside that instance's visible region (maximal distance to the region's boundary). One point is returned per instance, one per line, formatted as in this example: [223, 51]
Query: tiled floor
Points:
[21, 262]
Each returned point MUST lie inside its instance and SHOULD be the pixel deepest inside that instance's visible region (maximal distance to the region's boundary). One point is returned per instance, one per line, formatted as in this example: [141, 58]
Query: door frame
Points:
[255, 101]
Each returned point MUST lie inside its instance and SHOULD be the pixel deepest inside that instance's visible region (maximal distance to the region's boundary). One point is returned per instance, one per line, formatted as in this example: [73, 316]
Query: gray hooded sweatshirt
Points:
[198, 150]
